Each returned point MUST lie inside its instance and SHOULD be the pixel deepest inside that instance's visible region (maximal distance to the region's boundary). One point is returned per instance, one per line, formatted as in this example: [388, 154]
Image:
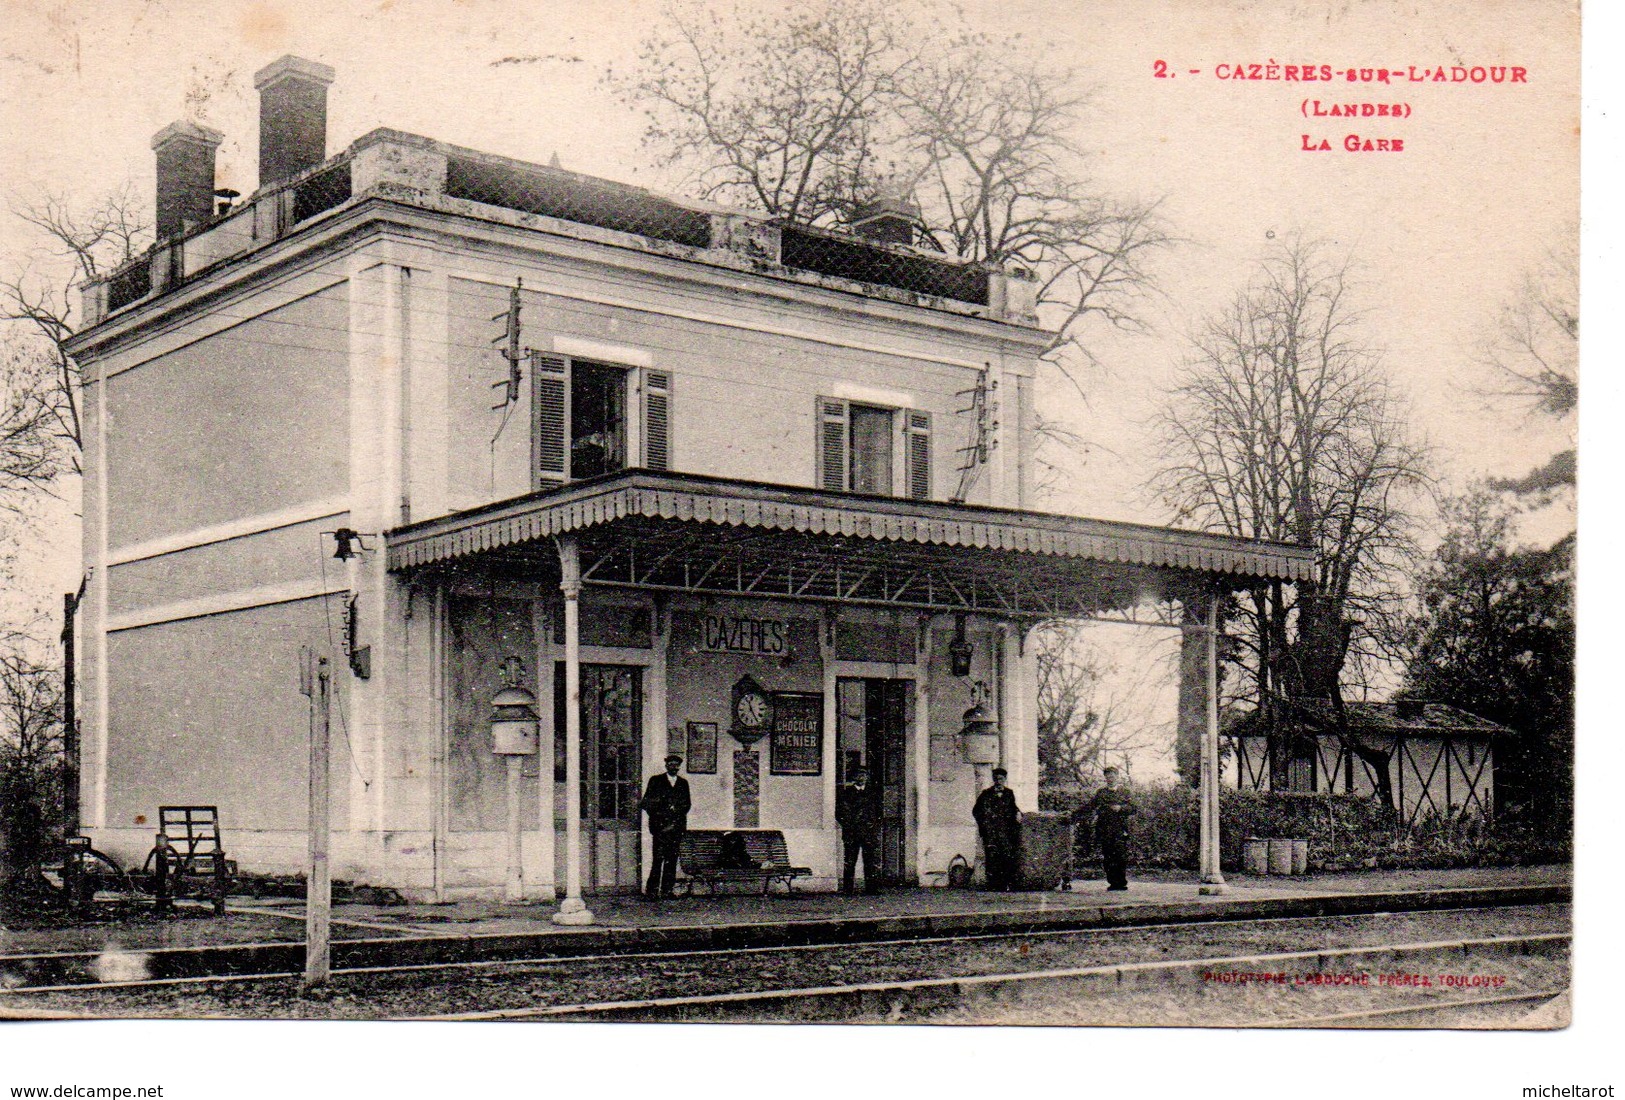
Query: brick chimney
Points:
[293, 117]
[889, 219]
[185, 162]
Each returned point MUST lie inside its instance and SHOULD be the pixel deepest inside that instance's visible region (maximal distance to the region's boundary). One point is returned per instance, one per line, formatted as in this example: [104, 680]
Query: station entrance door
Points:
[874, 722]
[611, 774]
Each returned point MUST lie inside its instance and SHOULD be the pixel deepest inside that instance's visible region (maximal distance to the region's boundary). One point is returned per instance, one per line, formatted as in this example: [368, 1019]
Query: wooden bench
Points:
[736, 857]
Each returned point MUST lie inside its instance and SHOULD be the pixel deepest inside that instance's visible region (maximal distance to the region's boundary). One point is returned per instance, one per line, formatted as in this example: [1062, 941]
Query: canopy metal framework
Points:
[689, 534]
[665, 532]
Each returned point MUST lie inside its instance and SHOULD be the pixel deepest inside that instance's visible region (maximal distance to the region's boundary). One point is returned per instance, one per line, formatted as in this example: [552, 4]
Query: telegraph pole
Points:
[70, 715]
[317, 677]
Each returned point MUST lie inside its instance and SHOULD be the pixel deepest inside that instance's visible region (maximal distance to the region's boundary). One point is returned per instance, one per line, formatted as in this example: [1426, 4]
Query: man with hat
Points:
[1112, 806]
[998, 819]
[666, 801]
[857, 812]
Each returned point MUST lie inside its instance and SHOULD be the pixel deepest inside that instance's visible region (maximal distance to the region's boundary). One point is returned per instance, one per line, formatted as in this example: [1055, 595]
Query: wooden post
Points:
[319, 885]
[70, 717]
[572, 910]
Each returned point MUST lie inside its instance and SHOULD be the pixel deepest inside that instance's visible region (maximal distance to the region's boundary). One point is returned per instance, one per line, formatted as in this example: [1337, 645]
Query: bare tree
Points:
[41, 440]
[30, 756]
[1533, 352]
[774, 115]
[1534, 346]
[1283, 426]
[1082, 724]
[31, 452]
[76, 243]
[813, 115]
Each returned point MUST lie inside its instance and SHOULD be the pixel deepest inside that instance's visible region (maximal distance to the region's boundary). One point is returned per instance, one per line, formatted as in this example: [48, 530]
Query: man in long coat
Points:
[666, 801]
[857, 812]
[998, 819]
[1111, 808]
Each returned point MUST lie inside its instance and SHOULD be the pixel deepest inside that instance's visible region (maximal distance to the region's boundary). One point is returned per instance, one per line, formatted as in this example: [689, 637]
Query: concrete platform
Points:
[1156, 890]
[264, 936]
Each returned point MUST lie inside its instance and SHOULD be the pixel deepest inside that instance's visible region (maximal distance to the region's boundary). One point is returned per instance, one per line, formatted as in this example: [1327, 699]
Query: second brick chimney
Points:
[185, 162]
[293, 117]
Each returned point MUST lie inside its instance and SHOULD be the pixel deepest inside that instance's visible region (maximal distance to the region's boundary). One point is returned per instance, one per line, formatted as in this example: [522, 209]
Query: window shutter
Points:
[550, 417]
[832, 444]
[917, 455]
[656, 419]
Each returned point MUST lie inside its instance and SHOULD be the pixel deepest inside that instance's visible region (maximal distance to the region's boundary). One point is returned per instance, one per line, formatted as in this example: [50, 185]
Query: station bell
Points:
[514, 722]
[979, 738]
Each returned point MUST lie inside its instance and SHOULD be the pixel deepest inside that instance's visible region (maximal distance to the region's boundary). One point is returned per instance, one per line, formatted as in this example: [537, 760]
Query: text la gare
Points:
[1354, 143]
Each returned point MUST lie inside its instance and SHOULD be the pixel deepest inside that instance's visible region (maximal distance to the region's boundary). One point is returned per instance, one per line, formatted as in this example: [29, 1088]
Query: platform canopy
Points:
[686, 533]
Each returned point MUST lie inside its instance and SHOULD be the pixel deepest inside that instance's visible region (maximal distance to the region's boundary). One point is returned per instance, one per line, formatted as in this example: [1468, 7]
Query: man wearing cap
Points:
[1111, 808]
[998, 819]
[666, 801]
[857, 812]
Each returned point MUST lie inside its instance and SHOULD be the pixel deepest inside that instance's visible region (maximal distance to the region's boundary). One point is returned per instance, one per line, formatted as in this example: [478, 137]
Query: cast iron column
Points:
[1212, 877]
[572, 910]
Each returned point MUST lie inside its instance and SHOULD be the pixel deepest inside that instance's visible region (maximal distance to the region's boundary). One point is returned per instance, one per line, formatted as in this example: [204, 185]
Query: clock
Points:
[752, 711]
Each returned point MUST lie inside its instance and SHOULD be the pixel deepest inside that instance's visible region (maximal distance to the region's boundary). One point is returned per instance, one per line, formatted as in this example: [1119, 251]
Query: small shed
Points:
[1430, 758]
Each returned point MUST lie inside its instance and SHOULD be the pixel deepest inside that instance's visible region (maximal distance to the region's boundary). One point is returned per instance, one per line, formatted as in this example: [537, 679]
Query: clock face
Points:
[751, 710]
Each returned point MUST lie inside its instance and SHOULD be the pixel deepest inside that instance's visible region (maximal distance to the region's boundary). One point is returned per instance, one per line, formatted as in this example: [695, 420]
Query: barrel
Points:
[1255, 856]
[1280, 857]
[1300, 856]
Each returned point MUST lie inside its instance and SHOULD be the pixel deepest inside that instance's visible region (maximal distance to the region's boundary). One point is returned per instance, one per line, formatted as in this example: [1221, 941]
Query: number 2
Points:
[1159, 69]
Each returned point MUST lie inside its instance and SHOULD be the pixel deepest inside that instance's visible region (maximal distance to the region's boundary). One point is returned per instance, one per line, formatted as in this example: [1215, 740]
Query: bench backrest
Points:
[767, 846]
[701, 850]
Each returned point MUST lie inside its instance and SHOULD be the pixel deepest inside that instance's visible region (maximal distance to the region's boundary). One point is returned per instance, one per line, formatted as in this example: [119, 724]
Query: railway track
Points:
[895, 1001]
[1455, 1012]
[50, 970]
[907, 976]
[108, 965]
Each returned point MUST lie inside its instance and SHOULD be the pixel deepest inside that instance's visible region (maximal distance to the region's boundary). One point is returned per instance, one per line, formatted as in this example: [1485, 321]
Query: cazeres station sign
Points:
[737, 634]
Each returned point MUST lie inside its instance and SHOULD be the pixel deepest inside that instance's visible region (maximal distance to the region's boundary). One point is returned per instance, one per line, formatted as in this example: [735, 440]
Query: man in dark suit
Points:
[998, 819]
[1111, 808]
[857, 812]
[666, 801]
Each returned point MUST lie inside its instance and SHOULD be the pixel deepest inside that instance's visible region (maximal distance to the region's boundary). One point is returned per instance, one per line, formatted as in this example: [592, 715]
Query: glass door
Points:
[611, 776]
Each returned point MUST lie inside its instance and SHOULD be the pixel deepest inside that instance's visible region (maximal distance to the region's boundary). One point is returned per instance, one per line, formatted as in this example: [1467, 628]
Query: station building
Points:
[757, 493]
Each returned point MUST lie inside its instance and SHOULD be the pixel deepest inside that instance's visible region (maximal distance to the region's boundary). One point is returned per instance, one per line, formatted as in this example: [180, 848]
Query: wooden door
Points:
[874, 713]
[886, 704]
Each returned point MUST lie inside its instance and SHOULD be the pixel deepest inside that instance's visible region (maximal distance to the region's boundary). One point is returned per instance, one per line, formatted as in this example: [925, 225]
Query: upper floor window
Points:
[590, 419]
[859, 447]
[869, 457]
[597, 420]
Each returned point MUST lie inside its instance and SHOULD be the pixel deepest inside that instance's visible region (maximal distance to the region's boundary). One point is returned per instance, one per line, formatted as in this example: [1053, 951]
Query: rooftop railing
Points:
[426, 173]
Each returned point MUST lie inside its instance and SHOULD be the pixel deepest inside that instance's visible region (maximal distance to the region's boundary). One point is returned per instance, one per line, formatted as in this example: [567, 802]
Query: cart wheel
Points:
[94, 866]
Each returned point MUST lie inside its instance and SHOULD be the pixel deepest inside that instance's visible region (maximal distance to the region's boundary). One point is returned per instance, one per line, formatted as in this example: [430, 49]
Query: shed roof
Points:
[1419, 718]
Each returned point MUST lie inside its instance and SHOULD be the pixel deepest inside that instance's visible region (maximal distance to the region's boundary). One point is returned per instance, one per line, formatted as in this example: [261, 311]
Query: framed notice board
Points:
[702, 748]
[796, 741]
